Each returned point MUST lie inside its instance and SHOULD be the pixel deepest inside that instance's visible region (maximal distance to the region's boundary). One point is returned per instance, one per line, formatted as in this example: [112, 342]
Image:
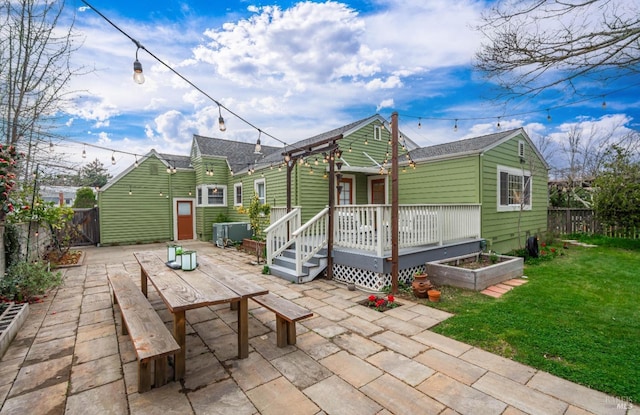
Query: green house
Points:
[334, 189]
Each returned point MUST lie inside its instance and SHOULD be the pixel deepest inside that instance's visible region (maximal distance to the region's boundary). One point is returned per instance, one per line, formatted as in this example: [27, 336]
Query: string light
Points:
[136, 163]
[84, 152]
[498, 124]
[221, 123]
[455, 125]
[258, 148]
[604, 103]
[113, 158]
[138, 76]
[548, 116]
[130, 192]
[419, 122]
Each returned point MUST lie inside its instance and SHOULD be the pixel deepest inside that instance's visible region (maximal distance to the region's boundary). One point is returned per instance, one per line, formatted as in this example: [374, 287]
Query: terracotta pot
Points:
[434, 296]
[420, 285]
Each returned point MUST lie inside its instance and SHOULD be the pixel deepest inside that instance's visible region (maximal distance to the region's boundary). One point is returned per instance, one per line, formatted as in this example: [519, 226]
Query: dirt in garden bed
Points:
[69, 258]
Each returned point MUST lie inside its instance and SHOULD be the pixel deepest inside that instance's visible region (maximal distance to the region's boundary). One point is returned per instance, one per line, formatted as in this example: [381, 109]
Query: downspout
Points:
[481, 189]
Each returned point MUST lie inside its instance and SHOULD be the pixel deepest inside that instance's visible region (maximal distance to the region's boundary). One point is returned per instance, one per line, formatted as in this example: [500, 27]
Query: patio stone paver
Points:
[49, 400]
[400, 398]
[462, 398]
[224, 398]
[95, 373]
[336, 396]
[357, 345]
[440, 342]
[351, 369]
[316, 346]
[578, 395]
[300, 369]
[360, 326]
[71, 358]
[399, 343]
[498, 364]
[167, 400]
[405, 369]
[451, 366]
[252, 371]
[39, 375]
[281, 397]
[520, 396]
[107, 399]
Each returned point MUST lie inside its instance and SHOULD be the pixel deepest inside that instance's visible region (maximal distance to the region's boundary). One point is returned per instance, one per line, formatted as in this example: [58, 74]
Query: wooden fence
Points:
[572, 220]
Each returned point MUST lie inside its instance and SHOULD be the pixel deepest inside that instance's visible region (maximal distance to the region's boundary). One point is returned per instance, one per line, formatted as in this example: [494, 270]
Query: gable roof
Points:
[343, 131]
[474, 145]
[239, 154]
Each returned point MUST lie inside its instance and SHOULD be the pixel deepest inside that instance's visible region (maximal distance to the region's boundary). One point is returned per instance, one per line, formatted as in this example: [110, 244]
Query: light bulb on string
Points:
[113, 158]
[84, 152]
[138, 76]
[221, 124]
[548, 116]
[136, 163]
[498, 124]
[604, 103]
[258, 147]
[455, 125]
[419, 122]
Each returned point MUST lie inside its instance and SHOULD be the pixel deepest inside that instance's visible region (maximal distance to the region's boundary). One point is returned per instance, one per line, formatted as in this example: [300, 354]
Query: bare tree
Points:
[35, 50]
[538, 44]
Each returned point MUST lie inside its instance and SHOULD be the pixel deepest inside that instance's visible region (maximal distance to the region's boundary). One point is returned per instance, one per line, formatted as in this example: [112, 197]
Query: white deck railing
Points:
[311, 238]
[279, 233]
[367, 228]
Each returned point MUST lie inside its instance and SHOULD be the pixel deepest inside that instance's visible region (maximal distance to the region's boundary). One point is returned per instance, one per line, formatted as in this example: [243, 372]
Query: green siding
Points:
[441, 182]
[501, 228]
[142, 216]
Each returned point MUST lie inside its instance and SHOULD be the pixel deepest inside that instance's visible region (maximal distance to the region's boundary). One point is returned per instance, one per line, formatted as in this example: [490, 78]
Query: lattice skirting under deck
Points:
[369, 280]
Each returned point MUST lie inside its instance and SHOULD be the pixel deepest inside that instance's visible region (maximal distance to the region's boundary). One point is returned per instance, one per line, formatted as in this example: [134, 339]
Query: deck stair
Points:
[284, 266]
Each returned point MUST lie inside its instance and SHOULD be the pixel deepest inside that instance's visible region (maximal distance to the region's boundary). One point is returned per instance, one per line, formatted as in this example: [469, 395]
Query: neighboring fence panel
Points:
[572, 220]
[87, 225]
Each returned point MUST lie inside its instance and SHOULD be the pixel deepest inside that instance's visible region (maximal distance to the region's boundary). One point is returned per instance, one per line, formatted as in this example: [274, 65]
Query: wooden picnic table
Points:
[209, 284]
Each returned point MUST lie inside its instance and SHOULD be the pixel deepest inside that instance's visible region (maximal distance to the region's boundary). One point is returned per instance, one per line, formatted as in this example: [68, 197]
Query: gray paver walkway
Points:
[69, 358]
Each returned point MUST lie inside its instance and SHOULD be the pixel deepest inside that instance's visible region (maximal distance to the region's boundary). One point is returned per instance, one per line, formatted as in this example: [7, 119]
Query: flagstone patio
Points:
[70, 358]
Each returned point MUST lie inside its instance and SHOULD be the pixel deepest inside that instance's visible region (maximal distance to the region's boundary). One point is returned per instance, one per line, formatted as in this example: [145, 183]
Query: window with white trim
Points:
[377, 132]
[211, 195]
[260, 189]
[514, 189]
[237, 194]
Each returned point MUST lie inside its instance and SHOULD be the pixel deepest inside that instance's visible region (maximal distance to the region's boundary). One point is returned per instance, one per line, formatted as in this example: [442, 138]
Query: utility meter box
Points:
[230, 233]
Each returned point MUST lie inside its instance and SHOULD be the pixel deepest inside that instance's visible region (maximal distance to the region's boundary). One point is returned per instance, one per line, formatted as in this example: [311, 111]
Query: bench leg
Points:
[124, 326]
[243, 328]
[291, 332]
[281, 331]
[160, 371]
[143, 282]
[179, 333]
[144, 377]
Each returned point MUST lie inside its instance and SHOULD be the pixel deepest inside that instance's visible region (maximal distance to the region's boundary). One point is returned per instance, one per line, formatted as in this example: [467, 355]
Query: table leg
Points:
[243, 328]
[143, 281]
[179, 333]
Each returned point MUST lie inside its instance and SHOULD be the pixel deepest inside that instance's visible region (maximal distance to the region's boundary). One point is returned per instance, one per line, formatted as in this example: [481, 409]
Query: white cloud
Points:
[387, 103]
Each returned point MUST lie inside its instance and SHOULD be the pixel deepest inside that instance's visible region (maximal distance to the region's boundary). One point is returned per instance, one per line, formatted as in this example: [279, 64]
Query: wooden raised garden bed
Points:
[475, 271]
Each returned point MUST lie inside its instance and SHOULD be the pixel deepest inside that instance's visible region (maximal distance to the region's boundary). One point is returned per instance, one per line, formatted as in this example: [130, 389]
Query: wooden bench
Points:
[151, 338]
[287, 313]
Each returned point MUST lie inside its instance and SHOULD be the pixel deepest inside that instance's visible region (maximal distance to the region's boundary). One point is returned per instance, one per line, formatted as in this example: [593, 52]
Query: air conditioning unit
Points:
[229, 233]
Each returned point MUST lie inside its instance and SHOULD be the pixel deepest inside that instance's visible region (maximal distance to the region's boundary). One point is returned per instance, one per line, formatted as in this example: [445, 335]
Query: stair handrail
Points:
[278, 234]
[310, 238]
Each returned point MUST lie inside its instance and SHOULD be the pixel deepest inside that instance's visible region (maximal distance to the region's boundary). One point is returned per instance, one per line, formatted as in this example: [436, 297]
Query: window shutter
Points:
[504, 188]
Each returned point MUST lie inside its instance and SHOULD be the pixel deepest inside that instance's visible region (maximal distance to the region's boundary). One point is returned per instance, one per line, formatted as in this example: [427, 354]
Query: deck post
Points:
[394, 203]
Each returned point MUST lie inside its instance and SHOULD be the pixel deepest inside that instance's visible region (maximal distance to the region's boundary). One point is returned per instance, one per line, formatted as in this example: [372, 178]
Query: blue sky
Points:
[297, 69]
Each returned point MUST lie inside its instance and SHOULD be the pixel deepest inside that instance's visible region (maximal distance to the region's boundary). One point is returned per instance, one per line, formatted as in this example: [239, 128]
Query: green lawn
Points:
[577, 318]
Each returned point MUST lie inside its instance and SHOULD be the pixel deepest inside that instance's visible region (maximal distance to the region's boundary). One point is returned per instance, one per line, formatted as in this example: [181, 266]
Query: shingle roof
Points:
[239, 154]
[469, 145]
[179, 162]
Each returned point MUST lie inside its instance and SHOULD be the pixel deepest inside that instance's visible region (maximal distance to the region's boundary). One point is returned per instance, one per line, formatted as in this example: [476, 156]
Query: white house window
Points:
[377, 132]
[514, 189]
[237, 194]
[261, 190]
[211, 195]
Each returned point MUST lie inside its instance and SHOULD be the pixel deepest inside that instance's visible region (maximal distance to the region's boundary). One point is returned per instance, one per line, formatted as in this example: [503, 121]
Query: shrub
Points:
[25, 280]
